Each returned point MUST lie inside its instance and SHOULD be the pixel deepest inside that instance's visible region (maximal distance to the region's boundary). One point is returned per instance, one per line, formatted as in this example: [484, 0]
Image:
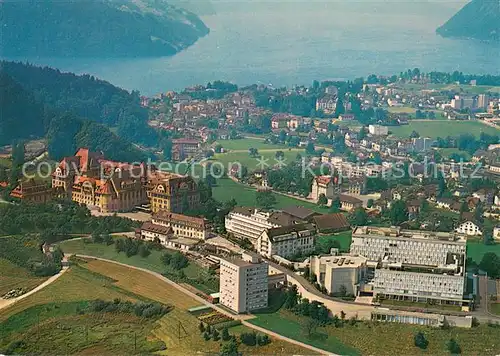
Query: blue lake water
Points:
[295, 42]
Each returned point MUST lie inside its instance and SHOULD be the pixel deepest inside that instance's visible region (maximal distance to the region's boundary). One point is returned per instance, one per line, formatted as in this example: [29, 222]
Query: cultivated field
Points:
[13, 277]
[54, 316]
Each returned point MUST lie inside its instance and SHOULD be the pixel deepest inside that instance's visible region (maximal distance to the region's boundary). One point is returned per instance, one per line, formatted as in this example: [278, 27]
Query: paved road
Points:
[4, 303]
[243, 318]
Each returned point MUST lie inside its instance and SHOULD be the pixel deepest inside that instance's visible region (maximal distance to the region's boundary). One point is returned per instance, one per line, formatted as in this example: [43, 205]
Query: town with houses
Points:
[378, 228]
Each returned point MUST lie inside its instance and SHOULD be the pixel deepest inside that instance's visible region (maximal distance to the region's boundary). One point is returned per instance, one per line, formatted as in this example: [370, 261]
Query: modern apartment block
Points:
[244, 283]
[413, 265]
[244, 222]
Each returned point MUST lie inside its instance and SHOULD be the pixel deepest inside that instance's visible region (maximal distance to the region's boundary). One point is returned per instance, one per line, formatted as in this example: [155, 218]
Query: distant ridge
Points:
[96, 28]
[479, 19]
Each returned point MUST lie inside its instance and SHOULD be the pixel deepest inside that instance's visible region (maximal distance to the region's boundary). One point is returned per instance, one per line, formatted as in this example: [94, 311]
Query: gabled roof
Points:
[331, 221]
[285, 230]
[299, 212]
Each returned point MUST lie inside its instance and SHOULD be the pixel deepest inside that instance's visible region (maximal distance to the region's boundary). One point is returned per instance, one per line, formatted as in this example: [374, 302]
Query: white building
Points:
[322, 185]
[244, 283]
[286, 241]
[496, 233]
[248, 223]
[414, 265]
[183, 225]
[337, 272]
[469, 228]
[378, 130]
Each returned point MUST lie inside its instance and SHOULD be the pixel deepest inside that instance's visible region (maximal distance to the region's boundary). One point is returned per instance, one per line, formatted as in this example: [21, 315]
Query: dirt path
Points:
[243, 318]
[4, 303]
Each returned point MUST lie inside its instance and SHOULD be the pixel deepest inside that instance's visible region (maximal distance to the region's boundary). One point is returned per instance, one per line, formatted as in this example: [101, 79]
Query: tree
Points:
[342, 315]
[336, 205]
[490, 263]
[167, 150]
[206, 336]
[249, 339]
[453, 347]
[96, 237]
[420, 340]
[229, 348]
[369, 203]
[166, 258]
[144, 251]
[414, 134]
[253, 152]
[291, 298]
[279, 155]
[178, 261]
[322, 199]
[225, 334]
[215, 335]
[107, 238]
[310, 150]
[265, 199]
[201, 327]
[359, 217]
[398, 213]
[309, 327]
[263, 340]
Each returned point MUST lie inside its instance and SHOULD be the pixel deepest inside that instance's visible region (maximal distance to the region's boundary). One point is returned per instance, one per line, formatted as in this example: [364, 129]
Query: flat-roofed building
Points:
[339, 273]
[244, 283]
[414, 265]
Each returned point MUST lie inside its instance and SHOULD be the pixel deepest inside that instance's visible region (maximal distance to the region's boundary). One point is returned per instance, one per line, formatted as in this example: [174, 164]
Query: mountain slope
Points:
[198, 7]
[97, 28]
[479, 19]
[35, 102]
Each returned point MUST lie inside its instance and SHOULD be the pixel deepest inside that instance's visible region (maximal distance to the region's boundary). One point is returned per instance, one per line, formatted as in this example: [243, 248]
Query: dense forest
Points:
[72, 111]
[105, 28]
[479, 19]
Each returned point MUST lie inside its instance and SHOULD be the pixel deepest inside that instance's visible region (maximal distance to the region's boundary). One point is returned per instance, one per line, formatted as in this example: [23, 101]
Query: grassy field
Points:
[344, 238]
[245, 143]
[442, 128]
[5, 162]
[52, 315]
[446, 152]
[252, 163]
[477, 249]
[196, 275]
[13, 277]
[227, 189]
[367, 338]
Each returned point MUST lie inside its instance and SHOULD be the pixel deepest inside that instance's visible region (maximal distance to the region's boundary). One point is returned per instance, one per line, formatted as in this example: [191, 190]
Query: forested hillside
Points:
[479, 19]
[71, 110]
[98, 28]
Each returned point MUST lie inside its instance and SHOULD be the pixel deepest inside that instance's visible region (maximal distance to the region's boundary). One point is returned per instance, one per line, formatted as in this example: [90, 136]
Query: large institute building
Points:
[88, 178]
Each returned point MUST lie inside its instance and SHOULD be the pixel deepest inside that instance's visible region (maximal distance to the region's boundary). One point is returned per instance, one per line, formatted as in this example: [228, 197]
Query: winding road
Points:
[4, 303]
[242, 318]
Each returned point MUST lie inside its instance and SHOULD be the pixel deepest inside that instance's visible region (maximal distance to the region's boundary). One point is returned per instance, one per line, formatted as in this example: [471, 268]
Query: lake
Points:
[295, 42]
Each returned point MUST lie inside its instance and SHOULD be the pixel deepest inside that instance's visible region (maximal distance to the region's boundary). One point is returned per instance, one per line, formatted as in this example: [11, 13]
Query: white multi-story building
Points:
[244, 283]
[183, 225]
[414, 265]
[322, 185]
[286, 241]
[248, 223]
[378, 130]
[469, 228]
[337, 272]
